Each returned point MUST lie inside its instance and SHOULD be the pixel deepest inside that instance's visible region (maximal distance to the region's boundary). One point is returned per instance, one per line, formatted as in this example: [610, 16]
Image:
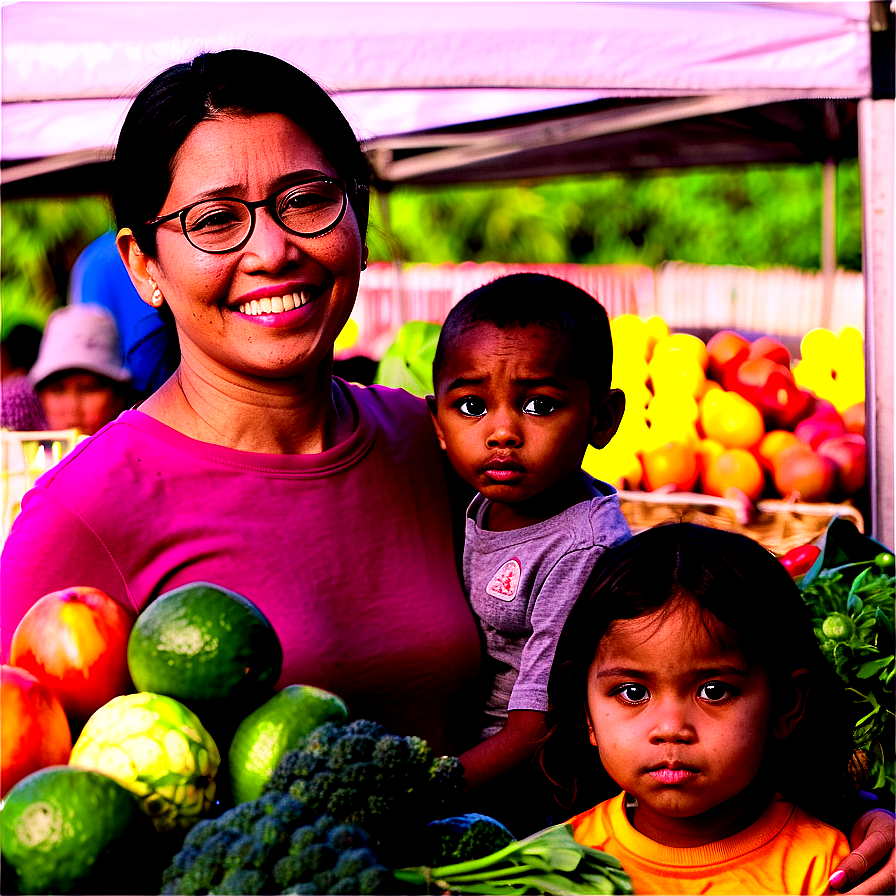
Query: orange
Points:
[708, 450]
[733, 421]
[772, 443]
[672, 463]
[737, 468]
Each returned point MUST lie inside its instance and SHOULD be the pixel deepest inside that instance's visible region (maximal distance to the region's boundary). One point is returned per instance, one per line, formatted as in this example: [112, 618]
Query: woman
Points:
[242, 196]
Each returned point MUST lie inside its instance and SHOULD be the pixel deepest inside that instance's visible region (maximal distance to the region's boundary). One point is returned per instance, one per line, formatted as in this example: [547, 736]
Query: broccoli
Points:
[464, 837]
[359, 773]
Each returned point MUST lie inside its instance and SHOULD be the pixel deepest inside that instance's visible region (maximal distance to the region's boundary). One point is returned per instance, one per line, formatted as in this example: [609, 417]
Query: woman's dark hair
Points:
[530, 299]
[745, 587]
[229, 82]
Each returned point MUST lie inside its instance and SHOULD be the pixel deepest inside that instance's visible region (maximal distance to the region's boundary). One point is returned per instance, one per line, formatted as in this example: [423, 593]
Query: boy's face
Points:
[511, 416]
[680, 722]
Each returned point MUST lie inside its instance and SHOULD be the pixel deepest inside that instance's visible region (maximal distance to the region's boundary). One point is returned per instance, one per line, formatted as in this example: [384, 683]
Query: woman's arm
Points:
[870, 867]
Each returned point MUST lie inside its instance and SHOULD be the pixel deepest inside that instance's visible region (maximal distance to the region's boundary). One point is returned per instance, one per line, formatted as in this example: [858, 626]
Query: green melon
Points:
[67, 828]
[204, 644]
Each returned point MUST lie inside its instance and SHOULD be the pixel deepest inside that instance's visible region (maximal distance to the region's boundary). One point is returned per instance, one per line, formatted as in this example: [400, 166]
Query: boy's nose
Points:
[504, 434]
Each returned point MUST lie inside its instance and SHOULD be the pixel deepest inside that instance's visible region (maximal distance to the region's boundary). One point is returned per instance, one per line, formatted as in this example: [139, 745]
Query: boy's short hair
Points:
[522, 300]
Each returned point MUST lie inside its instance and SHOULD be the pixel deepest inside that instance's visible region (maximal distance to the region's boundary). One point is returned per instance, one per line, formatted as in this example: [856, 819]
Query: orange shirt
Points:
[785, 851]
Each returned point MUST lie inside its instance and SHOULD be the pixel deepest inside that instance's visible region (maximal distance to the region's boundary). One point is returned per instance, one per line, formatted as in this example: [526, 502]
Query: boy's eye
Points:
[471, 406]
[540, 406]
[631, 693]
[715, 691]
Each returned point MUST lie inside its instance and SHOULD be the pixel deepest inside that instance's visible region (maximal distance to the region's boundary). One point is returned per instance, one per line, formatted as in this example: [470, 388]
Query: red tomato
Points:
[799, 560]
[76, 640]
[34, 731]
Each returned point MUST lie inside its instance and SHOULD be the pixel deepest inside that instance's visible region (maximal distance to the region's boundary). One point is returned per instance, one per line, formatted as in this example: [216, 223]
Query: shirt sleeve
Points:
[555, 599]
[51, 547]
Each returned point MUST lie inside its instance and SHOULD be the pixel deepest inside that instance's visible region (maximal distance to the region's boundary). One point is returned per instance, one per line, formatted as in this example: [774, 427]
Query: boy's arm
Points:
[514, 745]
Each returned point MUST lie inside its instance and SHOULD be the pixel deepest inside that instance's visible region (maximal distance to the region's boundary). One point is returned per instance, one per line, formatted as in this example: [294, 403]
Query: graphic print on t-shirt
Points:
[505, 581]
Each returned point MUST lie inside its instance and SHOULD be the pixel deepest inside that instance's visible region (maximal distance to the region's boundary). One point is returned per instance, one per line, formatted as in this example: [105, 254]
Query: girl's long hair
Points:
[746, 588]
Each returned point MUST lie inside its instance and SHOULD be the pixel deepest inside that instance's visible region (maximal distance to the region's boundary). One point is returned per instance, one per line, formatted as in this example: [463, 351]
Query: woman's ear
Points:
[783, 725]
[138, 266]
[606, 417]
[431, 404]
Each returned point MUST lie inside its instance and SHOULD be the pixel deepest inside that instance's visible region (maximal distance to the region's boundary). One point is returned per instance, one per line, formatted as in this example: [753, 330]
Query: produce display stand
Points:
[518, 90]
[776, 524]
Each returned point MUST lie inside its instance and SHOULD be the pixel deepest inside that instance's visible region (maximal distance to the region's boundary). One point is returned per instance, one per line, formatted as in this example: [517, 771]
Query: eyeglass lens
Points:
[305, 209]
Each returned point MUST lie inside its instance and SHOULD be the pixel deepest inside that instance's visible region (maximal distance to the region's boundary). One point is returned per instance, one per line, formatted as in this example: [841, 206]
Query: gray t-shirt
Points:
[522, 584]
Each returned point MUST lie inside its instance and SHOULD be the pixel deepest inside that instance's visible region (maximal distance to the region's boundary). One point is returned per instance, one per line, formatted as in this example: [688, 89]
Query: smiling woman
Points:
[241, 195]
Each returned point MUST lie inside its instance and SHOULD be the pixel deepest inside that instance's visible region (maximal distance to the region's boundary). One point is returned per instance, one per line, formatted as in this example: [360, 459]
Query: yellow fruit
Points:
[671, 463]
[733, 421]
[737, 468]
[657, 329]
[618, 466]
[680, 408]
[678, 372]
[684, 342]
[817, 344]
[630, 335]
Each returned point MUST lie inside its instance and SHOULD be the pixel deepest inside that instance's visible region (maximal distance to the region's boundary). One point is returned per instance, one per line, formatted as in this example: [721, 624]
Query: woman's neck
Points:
[301, 415]
[722, 821]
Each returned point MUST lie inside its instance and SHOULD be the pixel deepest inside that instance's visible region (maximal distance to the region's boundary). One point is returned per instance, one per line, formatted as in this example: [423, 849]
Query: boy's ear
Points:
[784, 724]
[431, 404]
[607, 416]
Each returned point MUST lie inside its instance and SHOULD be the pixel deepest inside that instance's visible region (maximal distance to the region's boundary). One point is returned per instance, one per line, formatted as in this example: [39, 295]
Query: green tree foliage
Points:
[762, 217]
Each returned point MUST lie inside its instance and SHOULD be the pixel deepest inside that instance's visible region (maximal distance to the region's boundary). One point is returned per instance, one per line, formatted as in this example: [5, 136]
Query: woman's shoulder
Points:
[391, 408]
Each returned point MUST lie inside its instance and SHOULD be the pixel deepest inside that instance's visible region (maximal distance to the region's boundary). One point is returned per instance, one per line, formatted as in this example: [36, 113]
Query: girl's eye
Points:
[631, 693]
[539, 406]
[715, 691]
[471, 406]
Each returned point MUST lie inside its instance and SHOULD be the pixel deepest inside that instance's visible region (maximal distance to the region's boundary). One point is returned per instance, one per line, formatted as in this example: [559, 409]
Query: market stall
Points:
[518, 90]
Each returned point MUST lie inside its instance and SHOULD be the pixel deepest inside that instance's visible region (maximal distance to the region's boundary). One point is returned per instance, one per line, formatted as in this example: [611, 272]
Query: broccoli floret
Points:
[247, 852]
[288, 870]
[242, 882]
[344, 886]
[306, 889]
[353, 861]
[241, 817]
[344, 837]
[200, 832]
[375, 879]
[301, 838]
[465, 837]
[294, 764]
[323, 880]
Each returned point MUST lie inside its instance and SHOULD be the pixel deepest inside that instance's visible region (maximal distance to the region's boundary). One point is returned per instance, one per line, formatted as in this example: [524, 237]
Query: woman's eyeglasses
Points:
[310, 208]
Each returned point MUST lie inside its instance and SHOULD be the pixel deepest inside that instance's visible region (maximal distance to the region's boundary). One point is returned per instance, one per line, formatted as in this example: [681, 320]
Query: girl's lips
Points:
[666, 775]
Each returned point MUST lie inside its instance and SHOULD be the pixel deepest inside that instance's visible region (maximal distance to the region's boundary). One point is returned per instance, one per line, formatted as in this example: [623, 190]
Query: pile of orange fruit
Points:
[735, 413]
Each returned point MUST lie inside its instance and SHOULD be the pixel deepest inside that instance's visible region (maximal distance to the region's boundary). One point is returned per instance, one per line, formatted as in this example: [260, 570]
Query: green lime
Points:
[61, 826]
[203, 643]
[275, 727]
[158, 749]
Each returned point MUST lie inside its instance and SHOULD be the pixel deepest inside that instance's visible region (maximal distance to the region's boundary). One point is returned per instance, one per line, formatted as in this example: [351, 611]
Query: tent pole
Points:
[876, 147]
[828, 239]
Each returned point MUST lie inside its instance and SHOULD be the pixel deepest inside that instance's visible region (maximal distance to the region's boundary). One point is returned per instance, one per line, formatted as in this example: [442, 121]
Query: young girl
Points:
[688, 675]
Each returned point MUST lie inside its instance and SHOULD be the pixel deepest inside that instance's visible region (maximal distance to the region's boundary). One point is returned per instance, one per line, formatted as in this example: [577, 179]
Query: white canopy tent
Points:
[454, 91]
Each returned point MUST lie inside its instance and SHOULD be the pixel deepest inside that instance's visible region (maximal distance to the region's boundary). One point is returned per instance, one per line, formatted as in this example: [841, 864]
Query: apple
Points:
[854, 418]
[727, 351]
[848, 452]
[768, 347]
[817, 427]
[801, 470]
[771, 387]
[75, 640]
[34, 731]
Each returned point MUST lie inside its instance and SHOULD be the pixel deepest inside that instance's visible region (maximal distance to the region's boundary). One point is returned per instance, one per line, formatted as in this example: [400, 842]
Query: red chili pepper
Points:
[799, 560]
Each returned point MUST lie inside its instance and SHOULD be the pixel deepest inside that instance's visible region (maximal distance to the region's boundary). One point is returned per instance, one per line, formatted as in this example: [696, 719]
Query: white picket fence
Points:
[784, 302]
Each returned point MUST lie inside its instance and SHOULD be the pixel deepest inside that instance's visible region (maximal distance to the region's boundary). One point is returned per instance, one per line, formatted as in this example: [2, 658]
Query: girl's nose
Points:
[672, 724]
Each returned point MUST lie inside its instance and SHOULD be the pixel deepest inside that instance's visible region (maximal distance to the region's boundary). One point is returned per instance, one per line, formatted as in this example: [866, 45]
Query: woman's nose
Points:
[270, 246]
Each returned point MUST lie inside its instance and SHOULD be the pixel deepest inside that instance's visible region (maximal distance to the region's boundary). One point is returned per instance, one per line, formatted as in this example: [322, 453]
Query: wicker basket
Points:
[777, 525]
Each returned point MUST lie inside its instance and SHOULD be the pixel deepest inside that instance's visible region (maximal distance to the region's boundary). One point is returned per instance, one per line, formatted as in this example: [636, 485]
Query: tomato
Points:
[799, 560]
[75, 640]
[34, 731]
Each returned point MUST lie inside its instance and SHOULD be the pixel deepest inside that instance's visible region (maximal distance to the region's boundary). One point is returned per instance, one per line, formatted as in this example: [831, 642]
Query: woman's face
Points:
[253, 157]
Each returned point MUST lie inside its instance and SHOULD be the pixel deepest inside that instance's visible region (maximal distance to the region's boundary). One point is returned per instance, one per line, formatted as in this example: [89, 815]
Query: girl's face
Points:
[681, 723]
[253, 157]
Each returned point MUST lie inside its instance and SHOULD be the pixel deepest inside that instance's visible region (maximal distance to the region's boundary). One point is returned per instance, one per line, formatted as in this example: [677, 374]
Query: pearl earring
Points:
[157, 298]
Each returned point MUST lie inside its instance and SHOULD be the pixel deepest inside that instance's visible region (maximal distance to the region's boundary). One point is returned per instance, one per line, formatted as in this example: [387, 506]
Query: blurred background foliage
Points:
[760, 217]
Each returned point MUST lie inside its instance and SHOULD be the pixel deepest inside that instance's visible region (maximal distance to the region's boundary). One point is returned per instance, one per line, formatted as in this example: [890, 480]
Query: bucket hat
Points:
[80, 337]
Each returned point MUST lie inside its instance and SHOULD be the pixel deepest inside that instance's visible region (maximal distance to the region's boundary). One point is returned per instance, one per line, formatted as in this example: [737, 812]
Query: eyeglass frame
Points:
[262, 203]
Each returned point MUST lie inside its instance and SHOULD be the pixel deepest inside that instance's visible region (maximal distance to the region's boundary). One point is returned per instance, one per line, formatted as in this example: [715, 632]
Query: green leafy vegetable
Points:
[852, 608]
[549, 861]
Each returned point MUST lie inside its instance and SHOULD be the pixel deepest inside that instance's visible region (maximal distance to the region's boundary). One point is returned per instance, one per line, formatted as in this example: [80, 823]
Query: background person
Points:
[242, 196]
[20, 408]
[79, 375]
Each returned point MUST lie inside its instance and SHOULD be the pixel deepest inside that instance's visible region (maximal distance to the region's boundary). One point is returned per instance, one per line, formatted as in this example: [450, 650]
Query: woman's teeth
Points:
[276, 304]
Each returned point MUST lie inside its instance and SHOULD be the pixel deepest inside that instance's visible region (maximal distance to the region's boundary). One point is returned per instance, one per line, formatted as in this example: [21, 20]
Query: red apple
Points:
[817, 427]
[727, 350]
[801, 470]
[848, 452]
[34, 731]
[854, 418]
[75, 640]
[772, 388]
[773, 349]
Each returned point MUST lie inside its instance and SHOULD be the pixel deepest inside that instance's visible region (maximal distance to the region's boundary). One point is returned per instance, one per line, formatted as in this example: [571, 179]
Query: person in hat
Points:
[79, 375]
